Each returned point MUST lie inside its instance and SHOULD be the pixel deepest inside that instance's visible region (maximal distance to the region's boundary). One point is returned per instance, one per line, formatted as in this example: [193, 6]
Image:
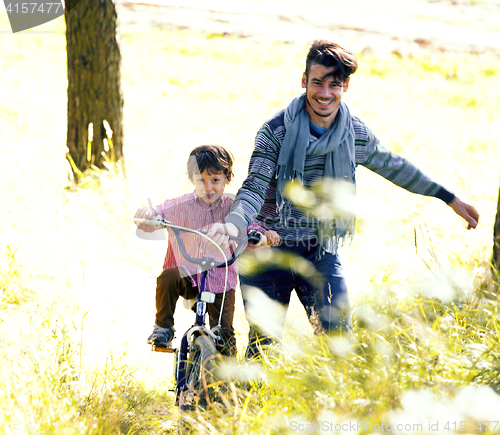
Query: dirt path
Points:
[382, 27]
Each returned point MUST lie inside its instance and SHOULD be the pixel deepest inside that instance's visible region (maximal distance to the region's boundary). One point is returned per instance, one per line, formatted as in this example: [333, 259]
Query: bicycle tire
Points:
[199, 373]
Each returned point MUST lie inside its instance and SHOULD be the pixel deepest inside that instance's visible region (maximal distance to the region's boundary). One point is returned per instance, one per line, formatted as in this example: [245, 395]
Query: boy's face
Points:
[209, 186]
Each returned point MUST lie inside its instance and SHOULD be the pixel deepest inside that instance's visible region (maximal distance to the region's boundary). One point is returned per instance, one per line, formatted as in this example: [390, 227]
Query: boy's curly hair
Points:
[213, 159]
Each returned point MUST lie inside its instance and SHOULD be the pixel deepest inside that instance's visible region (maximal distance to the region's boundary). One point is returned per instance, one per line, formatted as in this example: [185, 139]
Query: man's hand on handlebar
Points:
[272, 239]
[220, 233]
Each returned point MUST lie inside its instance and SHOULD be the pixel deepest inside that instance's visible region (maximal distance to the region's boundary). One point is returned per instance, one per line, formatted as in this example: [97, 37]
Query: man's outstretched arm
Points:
[393, 167]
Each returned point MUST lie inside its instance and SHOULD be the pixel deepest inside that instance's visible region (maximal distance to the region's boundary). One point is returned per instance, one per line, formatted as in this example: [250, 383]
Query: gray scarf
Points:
[337, 143]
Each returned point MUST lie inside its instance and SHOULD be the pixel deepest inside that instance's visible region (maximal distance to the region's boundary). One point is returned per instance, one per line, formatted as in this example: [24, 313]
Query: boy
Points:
[210, 170]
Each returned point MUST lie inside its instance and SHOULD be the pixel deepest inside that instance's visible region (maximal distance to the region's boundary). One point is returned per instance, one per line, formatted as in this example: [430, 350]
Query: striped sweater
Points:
[256, 199]
[190, 211]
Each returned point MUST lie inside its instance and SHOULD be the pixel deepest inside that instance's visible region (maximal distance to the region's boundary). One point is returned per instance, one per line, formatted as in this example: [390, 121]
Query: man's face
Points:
[209, 186]
[323, 94]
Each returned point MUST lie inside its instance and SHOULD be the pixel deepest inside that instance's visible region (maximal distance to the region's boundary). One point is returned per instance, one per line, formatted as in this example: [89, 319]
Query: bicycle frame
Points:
[204, 297]
[199, 325]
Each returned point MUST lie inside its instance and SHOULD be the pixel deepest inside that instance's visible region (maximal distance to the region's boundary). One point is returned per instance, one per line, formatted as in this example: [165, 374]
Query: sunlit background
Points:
[78, 285]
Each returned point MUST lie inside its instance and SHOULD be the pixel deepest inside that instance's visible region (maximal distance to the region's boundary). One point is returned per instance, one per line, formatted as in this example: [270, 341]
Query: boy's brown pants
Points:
[170, 285]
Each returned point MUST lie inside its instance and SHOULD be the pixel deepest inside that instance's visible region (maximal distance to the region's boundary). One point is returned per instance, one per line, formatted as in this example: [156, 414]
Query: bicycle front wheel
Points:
[199, 377]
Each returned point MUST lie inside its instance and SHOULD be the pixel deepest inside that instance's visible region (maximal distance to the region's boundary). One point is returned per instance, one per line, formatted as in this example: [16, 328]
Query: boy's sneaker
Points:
[161, 337]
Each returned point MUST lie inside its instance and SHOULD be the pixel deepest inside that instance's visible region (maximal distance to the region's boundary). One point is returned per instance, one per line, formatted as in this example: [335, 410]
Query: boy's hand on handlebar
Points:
[146, 214]
[220, 233]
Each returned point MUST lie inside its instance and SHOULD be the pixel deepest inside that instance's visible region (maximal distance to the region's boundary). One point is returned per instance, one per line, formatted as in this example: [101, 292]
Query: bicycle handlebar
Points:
[253, 237]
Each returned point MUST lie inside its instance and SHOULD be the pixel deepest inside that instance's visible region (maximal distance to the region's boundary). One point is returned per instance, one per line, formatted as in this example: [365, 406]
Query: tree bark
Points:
[94, 91]
[496, 243]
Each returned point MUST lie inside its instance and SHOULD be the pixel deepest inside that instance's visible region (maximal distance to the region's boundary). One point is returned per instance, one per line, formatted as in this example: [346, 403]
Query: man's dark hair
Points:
[212, 158]
[329, 54]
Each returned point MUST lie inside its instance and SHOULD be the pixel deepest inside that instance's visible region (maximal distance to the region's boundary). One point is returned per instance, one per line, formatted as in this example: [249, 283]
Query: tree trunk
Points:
[94, 92]
[496, 243]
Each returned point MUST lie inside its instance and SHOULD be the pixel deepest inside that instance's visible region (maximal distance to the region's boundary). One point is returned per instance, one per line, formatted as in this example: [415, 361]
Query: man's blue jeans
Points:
[323, 292]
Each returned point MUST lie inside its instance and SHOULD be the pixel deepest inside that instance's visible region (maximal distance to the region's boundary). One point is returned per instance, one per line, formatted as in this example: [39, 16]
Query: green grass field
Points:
[77, 285]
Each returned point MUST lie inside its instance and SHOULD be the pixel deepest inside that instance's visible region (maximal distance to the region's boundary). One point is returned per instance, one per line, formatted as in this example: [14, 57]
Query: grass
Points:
[78, 287]
[410, 363]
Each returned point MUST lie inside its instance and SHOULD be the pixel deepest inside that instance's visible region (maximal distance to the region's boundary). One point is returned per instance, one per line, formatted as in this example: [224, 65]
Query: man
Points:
[313, 142]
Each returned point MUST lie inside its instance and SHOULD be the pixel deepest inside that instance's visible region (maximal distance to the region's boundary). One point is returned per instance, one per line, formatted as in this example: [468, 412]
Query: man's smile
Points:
[323, 102]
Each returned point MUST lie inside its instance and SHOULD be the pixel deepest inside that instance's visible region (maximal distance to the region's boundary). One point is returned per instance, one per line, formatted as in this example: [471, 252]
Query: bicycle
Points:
[194, 359]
